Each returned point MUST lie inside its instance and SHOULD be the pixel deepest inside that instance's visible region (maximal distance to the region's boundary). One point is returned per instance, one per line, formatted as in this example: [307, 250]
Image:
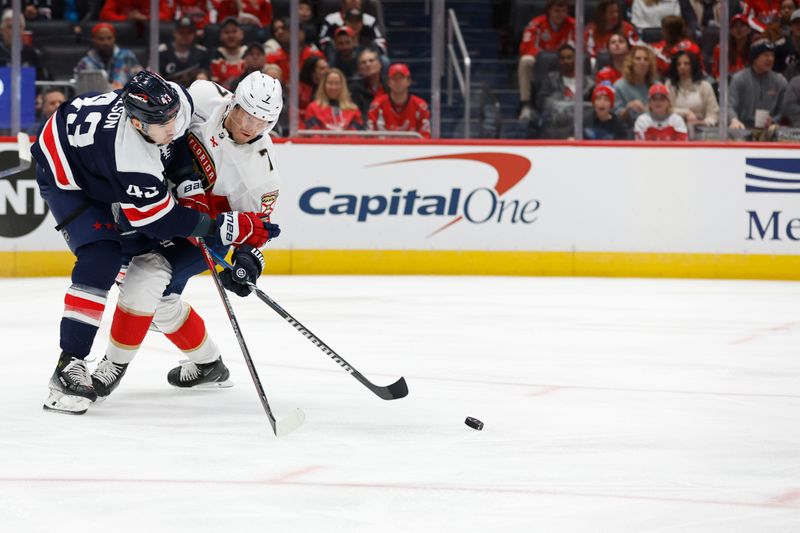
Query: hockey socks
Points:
[83, 309]
[127, 333]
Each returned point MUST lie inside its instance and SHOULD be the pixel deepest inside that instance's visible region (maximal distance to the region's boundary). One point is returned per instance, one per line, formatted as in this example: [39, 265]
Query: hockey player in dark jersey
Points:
[103, 161]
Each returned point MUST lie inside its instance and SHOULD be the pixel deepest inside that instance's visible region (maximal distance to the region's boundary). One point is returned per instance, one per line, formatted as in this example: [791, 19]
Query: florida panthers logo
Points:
[268, 202]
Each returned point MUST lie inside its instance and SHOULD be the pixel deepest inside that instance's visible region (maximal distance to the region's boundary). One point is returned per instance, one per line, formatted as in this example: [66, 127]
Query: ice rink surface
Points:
[611, 405]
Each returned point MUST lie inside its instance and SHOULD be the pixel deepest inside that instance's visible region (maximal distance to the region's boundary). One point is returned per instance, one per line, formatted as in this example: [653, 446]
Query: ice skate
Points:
[200, 376]
[106, 377]
[71, 389]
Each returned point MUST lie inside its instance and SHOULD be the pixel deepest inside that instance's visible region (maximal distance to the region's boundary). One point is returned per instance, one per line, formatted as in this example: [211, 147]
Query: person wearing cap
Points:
[757, 90]
[227, 62]
[602, 124]
[659, 123]
[365, 35]
[400, 110]
[181, 59]
[344, 56]
[119, 64]
[254, 61]
[133, 10]
[281, 56]
[337, 19]
[649, 13]
[639, 73]
[739, 41]
[691, 94]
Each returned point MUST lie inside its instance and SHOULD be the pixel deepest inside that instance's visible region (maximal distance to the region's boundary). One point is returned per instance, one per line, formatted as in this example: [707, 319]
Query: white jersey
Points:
[243, 175]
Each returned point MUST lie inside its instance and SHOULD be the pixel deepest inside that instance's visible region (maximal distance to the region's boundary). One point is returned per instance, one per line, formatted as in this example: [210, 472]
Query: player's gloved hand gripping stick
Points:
[279, 427]
[396, 390]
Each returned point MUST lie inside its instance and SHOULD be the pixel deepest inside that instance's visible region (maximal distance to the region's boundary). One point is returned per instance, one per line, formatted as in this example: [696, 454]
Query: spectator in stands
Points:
[365, 35]
[761, 13]
[32, 9]
[791, 103]
[605, 23]
[701, 14]
[336, 19]
[119, 64]
[311, 74]
[332, 108]
[755, 94]
[792, 61]
[638, 74]
[738, 47]
[399, 110]
[256, 12]
[344, 55]
[691, 95]
[648, 13]
[279, 31]
[370, 83]
[254, 59]
[308, 19]
[618, 49]
[196, 10]
[281, 56]
[556, 98]
[30, 57]
[51, 99]
[545, 32]
[673, 30]
[180, 60]
[787, 8]
[227, 62]
[133, 10]
[659, 123]
[602, 124]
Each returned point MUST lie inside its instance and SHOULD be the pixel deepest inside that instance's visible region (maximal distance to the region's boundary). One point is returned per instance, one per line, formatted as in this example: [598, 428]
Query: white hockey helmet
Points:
[261, 96]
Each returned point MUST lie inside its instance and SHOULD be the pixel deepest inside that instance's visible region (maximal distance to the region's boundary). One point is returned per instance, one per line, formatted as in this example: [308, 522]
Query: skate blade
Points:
[212, 385]
[58, 402]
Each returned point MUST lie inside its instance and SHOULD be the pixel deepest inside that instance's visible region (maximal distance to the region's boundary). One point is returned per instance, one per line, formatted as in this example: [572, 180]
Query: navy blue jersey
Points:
[90, 145]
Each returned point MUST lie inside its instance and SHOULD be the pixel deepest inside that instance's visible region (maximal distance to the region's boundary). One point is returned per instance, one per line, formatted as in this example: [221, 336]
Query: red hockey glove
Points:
[238, 228]
[190, 194]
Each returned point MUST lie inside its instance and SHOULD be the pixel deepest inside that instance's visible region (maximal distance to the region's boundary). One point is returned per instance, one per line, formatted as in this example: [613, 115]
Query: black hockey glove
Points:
[247, 266]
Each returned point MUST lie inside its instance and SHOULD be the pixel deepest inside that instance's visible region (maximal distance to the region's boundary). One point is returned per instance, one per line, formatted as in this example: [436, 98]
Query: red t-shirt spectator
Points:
[664, 54]
[413, 116]
[540, 35]
[672, 128]
[281, 58]
[761, 13]
[259, 11]
[320, 117]
[733, 67]
[119, 10]
[598, 42]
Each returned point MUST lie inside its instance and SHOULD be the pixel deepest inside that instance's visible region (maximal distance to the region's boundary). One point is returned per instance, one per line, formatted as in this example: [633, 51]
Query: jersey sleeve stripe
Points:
[55, 156]
[141, 216]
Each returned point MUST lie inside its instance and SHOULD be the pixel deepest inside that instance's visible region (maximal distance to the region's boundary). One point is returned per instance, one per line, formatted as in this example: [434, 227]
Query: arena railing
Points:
[453, 66]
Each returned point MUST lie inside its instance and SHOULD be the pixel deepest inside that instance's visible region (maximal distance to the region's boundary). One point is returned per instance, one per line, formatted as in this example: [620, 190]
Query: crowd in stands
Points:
[653, 70]
[347, 81]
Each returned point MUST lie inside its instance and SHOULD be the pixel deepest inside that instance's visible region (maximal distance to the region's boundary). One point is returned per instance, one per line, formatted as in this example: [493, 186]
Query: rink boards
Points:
[680, 210]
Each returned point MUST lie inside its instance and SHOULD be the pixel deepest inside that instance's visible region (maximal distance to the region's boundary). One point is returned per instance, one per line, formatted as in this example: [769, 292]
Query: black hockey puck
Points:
[474, 423]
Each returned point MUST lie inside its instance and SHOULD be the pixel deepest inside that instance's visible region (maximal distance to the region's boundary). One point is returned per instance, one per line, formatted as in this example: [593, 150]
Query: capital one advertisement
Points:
[710, 200]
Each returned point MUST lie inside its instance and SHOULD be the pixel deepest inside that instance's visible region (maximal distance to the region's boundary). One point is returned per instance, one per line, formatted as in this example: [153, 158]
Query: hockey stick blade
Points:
[280, 427]
[24, 144]
[395, 391]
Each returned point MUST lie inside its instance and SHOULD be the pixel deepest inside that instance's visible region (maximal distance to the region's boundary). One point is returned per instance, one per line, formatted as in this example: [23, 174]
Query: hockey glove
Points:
[238, 228]
[247, 266]
[190, 194]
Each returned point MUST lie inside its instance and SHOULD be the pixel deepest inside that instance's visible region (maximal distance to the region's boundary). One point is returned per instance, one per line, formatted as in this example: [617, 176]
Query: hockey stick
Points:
[279, 427]
[395, 391]
[24, 144]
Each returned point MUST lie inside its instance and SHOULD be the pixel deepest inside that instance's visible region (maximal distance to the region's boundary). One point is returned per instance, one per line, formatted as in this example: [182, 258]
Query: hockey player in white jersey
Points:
[234, 156]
